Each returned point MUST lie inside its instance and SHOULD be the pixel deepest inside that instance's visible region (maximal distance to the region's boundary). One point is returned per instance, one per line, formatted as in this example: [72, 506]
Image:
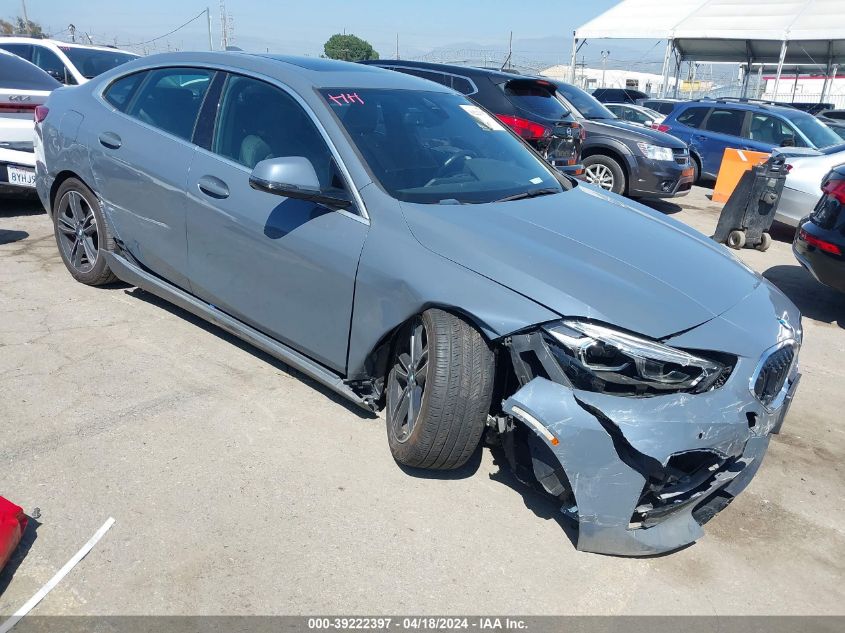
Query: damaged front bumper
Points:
[646, 473]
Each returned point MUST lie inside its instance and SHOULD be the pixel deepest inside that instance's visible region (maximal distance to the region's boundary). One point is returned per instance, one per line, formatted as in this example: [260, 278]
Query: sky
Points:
[542, 29]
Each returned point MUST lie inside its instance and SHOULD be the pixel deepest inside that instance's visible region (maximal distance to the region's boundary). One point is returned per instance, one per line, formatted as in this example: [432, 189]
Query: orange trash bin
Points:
[735, 162]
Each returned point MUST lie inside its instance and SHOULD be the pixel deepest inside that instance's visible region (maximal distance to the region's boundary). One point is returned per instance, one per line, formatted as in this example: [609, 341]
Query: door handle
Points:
[213, 187]
[110, 140]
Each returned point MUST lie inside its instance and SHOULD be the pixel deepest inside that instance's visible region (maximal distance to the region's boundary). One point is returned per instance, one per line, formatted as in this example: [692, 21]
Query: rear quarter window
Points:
[462, 85]
[536, 99]
[120, 92]
[440, 78]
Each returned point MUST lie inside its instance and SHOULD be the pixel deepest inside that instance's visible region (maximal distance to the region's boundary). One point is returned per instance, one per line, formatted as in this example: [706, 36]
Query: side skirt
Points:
[132, 274]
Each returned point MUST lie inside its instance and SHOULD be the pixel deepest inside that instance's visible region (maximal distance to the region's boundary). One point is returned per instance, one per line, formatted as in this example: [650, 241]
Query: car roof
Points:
[300, 73]
[740, 105]
[468, 71]
[60, 44]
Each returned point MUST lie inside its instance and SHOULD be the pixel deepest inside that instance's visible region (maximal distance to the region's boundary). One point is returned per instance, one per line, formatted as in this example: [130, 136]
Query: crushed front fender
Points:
[646, 473]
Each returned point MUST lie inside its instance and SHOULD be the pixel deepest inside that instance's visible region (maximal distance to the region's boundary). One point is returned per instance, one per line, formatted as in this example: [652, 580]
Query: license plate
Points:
[21, 177]
[687, 172]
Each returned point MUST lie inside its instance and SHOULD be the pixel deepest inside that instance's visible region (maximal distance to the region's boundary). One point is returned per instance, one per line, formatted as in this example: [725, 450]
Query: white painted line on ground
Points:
[55, 580]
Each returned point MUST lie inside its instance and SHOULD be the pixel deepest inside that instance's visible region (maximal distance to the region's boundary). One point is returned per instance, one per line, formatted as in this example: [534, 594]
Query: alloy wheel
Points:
[408, 385]
[600, 175]
[78, 235]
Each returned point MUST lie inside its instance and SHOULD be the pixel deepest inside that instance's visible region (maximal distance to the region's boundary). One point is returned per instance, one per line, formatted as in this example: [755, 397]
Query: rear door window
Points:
[50, 63]
[692, 117]
[170, 99]
[725, 121]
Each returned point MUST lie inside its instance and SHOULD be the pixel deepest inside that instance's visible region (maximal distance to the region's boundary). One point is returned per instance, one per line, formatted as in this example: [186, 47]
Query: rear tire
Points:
[439, 391]
[603, 171]
[82, 233]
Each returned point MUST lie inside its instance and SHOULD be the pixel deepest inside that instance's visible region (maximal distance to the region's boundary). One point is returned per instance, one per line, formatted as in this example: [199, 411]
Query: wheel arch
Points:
[615, 154]
[377, 362]
[60, 179]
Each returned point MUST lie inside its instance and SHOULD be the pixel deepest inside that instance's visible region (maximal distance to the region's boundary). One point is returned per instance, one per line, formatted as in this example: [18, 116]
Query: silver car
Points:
[802, 188]
[397, 243]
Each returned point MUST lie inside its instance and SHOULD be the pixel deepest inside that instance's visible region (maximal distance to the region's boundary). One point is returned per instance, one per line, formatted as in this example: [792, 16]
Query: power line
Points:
[166, 34]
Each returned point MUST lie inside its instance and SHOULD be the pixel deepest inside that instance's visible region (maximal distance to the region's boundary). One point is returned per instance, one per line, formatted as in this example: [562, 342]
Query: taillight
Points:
[528, 130]
[41, 113]
[835, 188]
[822, 245]
[662, 128]
[16, 108]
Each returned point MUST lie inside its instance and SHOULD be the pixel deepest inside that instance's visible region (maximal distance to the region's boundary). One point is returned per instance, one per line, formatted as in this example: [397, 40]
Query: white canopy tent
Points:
[794, 32]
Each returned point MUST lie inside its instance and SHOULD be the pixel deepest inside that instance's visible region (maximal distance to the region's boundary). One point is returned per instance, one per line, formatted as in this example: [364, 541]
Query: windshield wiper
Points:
[531, 193]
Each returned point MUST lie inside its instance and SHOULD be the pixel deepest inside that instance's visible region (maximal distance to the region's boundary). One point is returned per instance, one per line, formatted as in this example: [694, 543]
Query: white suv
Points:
[68, 63]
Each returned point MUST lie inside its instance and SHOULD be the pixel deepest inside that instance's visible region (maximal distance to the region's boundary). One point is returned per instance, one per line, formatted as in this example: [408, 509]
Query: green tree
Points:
[19, 27]
[34, 28]
[349, 48]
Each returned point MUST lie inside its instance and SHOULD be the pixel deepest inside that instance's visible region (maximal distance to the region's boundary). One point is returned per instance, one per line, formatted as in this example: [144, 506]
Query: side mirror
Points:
[294, 177]
[788, 142]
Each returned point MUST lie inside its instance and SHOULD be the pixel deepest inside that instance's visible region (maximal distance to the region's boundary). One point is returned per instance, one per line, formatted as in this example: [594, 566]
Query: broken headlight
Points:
[599, 358]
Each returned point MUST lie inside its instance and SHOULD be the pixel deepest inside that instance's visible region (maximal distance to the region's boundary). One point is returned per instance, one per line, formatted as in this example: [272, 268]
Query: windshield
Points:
[834, 149]
[91, 62]
[584, 104]
[817, 132]
[431, 147]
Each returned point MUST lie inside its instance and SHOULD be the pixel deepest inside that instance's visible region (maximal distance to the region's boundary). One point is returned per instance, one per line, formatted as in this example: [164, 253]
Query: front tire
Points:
[82, 233]
[439, 391]
[605, 172]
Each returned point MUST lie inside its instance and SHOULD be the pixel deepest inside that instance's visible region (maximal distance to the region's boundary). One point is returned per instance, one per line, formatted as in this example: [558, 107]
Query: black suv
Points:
[625, 158]
[618, 95]
[527, 105]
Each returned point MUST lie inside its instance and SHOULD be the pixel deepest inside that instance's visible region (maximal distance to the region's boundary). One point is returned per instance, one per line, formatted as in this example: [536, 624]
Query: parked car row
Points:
[70, 64]
[527, 105]
[30, 69]
[23, 88]
[819, 243]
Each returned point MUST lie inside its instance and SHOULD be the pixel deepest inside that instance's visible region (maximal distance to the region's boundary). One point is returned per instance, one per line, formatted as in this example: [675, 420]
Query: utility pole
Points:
[604, 56]
[224, 36]
[397, 46]
[510, 50]
[507, 61]
[26, 18]
[72, 29]
[208, 19]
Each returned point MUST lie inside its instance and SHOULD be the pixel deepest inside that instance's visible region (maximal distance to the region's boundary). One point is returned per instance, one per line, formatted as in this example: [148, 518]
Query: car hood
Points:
[590, 254]
[618, 128]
